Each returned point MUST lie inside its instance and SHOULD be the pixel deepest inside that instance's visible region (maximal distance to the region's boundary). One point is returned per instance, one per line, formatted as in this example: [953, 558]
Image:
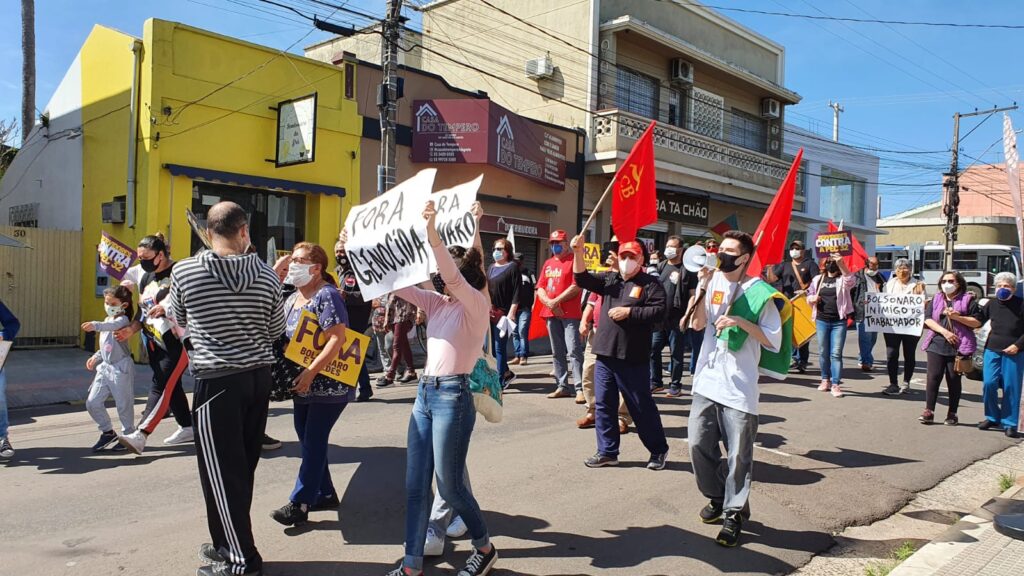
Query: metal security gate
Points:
[41, 284]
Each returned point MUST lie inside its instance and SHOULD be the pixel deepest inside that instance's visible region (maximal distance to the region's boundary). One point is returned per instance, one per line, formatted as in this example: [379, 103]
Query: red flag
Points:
[860, 256]
[538, 325]
[773, 230]
[634, 196]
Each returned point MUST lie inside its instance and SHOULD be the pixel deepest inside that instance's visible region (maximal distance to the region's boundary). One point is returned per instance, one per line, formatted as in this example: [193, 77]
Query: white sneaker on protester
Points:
[180, 436]
[434, 544]
[135, 442]
[457, 528]
[6, 450]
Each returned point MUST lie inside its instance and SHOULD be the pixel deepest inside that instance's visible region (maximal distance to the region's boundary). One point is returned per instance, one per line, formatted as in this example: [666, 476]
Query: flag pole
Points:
[598, 205]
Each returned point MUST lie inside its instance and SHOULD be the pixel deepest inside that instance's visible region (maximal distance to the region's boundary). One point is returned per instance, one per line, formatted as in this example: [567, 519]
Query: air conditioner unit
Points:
[771, 108]
[539, 68]
[112, 212]
[681, 72]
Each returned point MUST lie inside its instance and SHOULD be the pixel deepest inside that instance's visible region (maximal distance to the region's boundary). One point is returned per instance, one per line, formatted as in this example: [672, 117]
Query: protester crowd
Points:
[228, 316]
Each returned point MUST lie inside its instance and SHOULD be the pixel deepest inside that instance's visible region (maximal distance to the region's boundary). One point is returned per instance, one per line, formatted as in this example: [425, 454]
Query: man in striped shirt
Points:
[231, 303]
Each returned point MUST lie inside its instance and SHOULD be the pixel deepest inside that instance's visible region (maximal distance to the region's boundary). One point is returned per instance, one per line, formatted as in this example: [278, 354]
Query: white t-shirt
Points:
[730, 378]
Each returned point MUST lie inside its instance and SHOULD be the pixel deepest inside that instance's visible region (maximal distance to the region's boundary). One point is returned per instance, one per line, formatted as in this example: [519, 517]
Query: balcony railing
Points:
[610, 127]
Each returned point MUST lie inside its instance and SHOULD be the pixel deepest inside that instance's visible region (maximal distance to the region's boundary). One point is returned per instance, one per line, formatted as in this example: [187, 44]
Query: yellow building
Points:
[195, 117]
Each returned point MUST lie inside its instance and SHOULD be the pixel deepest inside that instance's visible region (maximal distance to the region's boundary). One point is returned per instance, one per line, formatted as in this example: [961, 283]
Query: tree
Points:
[28, 67]
[8, 134]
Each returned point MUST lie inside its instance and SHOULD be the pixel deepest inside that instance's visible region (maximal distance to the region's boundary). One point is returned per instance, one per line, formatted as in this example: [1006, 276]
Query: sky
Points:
[900, 85]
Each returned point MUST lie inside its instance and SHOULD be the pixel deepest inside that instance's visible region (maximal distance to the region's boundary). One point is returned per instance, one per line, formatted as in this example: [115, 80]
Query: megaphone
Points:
[696, 257]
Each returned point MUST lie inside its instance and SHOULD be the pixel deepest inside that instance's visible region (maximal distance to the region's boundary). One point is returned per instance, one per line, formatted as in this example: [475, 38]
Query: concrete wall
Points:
[367, 47]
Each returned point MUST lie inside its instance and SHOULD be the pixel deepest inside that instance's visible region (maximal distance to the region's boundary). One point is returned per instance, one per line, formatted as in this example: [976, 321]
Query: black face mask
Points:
[148, 265]
[341, 260]
[832, 269]
[727, 262]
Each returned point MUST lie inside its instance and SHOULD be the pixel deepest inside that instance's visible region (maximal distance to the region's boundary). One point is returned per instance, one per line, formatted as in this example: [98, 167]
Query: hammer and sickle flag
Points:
[634, 195]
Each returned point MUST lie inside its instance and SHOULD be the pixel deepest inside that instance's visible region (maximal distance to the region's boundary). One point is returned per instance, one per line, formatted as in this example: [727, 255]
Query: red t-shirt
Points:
[555, 278]
[595, 300]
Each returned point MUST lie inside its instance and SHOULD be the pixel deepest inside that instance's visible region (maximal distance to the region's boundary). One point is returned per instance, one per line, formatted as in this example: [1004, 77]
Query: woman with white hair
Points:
[901, 283]
[1004, 364]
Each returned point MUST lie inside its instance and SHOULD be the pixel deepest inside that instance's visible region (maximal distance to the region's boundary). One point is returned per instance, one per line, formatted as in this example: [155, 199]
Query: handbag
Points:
[962, 365]
[485, 384]
[283, 373]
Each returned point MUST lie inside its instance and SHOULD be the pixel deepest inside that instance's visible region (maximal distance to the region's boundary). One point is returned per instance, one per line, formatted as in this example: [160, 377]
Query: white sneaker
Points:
[180, 436]
[457, 528]
[6, 450]
[434, 544]
[135, 442]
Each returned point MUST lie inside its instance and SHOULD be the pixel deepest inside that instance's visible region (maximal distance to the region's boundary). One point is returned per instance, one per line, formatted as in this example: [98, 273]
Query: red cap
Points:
[631, 248]
[557, 236]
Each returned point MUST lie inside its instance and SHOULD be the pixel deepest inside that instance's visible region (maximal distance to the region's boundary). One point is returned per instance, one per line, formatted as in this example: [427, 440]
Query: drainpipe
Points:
[580, 177]
[133, 140]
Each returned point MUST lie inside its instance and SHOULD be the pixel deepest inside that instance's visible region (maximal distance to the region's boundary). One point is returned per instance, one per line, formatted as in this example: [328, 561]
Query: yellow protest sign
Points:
[309, 340]
[592, 255]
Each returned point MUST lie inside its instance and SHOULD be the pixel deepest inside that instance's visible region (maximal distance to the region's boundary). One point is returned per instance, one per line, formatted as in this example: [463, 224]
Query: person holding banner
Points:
[793, 279]
[562, 311]
[951, 315]
[358, 310]
[9, 327]
[829, 295]
[901, 283]
[1004, 362]
[527, 292]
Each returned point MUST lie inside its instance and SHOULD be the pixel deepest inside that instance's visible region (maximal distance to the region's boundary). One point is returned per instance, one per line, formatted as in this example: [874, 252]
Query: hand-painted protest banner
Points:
[894, 313]
[387, 237]
[455, 222]
[115, 257]
[592, 255]
[828, 244]
[309, 340]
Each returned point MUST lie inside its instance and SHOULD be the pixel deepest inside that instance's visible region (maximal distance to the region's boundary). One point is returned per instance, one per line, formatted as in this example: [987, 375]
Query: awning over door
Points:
[221, 177]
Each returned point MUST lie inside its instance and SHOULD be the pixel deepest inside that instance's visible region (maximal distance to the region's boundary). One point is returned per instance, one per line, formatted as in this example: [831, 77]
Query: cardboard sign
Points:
[387, 238]
[115, 257]
[592, 254]
[894, 313]
[308, 341]
[455, 223]
[827, 244]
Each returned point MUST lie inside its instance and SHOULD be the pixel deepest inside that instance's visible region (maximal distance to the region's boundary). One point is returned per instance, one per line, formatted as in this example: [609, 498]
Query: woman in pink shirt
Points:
[831, 304]
[442, 419]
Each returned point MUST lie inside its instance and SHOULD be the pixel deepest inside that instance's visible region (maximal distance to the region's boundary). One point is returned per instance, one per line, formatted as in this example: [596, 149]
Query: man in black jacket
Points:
[633, 303]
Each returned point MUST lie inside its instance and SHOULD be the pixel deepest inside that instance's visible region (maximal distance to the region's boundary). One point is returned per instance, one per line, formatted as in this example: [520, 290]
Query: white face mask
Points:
[113, 310]
[627, 266]
[870, 272]
[949, 287]
[796, 253]
[298, 274]
[671, 252]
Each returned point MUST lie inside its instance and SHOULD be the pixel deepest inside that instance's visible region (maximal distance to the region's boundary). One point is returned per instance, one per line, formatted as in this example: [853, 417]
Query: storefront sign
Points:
[309, 341]
[455, 222]
[296, 131]
[502, 224]
[894, 313]
[471, 131]
[682, 208]
[116, 257]
[829, 244]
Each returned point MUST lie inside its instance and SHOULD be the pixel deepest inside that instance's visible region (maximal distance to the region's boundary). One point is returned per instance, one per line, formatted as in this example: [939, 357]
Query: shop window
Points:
[271, 214]
[636, 93]
[706, 113]
[747, 131]
[842, 196]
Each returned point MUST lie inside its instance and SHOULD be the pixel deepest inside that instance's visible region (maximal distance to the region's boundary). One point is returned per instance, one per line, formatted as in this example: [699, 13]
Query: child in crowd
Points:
[115, 370]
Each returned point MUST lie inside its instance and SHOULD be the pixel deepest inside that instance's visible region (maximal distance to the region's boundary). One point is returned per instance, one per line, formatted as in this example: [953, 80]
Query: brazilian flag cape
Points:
[749, 306]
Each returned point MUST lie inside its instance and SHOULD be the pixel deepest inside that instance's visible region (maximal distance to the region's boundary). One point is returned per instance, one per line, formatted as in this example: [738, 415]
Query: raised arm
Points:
[583, 278]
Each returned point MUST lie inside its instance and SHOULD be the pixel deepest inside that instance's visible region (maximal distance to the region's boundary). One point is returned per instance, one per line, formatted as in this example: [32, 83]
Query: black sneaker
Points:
[479, 563]
[891, 390]
[364, 397]
[732, 525]
[209, 554]
[6, 450]
[106, 439]
[986, 424]
[712, 513]
[1011, 432]
[223, 569]
[657, 461]
[508, 379]
[384, 382]
[600, 461]
[802, 368]
[326, 503]
[270, 443]
[291, 514]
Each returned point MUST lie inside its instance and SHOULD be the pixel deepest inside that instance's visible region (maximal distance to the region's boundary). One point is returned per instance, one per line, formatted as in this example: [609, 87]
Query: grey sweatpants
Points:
[441, 512]
[115, 380]
[723, 482]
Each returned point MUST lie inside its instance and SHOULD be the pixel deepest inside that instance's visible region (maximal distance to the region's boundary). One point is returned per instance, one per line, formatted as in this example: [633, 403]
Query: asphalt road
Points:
[822, 464]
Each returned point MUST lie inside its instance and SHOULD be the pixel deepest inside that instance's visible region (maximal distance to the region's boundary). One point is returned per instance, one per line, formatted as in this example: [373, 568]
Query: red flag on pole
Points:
[635, 200]
[860, 256]
[773, 230]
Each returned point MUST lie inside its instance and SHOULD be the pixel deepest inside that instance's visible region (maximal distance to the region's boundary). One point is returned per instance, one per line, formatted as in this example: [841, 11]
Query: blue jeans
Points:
[313, 423]
[566, 345]
[866, 342]
[696, 343]
[677, 355]
[500, 351]
[440, 428]
[612, 377]
[3, 404]
[1003, 372]
[831, 338]
[521, 335]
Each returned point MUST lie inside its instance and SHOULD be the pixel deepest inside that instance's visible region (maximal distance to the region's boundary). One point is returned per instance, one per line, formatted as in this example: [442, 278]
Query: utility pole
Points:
[387, 95]
[951, 184]
[836, 109]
